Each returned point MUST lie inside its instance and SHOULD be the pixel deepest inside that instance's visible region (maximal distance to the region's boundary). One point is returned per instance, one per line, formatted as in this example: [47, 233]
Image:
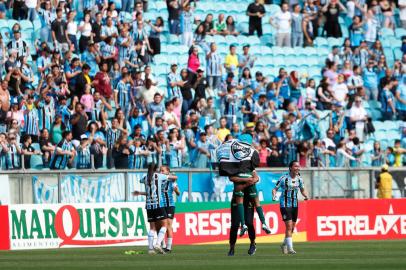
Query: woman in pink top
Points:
[264, 152]
[193, 62]
[88, 101]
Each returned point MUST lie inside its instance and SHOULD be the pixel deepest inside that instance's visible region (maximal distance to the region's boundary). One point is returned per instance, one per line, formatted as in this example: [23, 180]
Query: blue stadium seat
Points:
[242, 27]
[400, 32]
[391, 125]
[160, 5]
[379, 125]
[10, 23]
[254, 40]
[386, 32]
[267, 39]
[321, 42]
[173, 39]
[265, 50]
[219, 40]
[36, 162]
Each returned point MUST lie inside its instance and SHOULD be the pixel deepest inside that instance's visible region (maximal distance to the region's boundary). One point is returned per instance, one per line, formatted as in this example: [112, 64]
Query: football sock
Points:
[241, 213]
[151, 235]
[161, 236]
[169, 243]
[289, 243]
[261, 214]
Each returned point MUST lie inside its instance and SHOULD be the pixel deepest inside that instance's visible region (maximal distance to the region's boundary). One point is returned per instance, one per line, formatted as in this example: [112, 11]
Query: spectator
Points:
[138, 154]
[297, 26]
[246, 60]
[120, 153]
[203, 155]
[282, 22]
[398, 151]
[402, 13]
[342, 156]
[102, 82]
[357, 152]
[308, 31]
[176, 147]
[220, 25]
[155, 108]
[200, 38]
[193, 62]
[174, 82]
[209, 25]
[63, 154]
[377, 155]
[174, 10]
[17, 43]
[200, 85]
[169, 116]
[186, 23]
[401, 99]
[370, 78]
[214, 68]
[79, 122]
[72, 30]
[59, 33]
[230, 26]
[289, 147]
[331, 11]
[356, 30]
[231, 61]
[255, 11]
[154, 35]
[109, 30]
[84, 153]
[371, 26]
[387, 12]
[358, 117]
[388, 102]
[186, 93]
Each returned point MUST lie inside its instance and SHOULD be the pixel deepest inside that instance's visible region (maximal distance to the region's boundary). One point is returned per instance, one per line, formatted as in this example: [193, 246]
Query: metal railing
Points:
[320, 182]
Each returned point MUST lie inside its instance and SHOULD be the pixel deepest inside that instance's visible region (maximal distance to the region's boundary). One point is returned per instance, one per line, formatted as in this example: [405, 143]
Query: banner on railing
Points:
[124, 224]
[206, 187]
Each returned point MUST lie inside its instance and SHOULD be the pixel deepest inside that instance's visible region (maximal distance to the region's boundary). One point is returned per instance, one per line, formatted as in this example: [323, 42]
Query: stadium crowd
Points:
[89, 88]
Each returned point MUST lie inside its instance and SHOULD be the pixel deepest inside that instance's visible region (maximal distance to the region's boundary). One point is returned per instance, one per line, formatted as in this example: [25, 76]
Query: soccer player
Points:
[155, 205]
[168, 189]
[290, 184]
[240, 182]
[249, 221]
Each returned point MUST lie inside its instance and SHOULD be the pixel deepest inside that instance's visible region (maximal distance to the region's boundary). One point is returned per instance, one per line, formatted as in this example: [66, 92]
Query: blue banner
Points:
[206, 187]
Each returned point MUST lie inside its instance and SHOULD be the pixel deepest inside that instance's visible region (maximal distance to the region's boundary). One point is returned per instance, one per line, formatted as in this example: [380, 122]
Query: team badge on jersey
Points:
[240, 150]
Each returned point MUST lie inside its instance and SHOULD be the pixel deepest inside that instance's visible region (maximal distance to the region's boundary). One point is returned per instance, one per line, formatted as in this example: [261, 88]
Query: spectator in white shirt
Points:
[32, 12]
[358, 117]
[282, 22]
[340, 90]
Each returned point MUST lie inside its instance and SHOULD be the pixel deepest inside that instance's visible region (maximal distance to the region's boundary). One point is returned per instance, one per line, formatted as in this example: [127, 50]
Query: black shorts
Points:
[170, 211]
[156, 214]
[289, 213]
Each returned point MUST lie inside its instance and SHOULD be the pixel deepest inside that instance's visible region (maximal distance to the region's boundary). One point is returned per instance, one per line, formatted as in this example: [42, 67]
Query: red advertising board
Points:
[46, 226]
[204, 227]
[356, 219]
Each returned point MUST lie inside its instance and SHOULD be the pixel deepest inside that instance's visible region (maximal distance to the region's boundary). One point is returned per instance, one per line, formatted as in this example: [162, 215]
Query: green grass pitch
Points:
[329, 255]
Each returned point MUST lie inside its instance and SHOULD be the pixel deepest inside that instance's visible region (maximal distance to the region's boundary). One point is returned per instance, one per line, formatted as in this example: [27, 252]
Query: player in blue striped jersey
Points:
[64, 152]
[155, 205]
[289, 184]
[168, 189]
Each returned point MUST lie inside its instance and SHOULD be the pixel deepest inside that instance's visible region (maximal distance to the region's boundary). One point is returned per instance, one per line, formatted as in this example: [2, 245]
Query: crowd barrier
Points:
[48, 226]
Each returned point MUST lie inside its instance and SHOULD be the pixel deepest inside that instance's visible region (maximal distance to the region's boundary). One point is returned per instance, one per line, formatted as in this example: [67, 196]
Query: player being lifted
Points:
[290, 183]
[156, 205]
[238, 160]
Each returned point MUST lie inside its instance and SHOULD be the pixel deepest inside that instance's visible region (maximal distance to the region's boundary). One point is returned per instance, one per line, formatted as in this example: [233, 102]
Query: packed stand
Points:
[94, 85]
